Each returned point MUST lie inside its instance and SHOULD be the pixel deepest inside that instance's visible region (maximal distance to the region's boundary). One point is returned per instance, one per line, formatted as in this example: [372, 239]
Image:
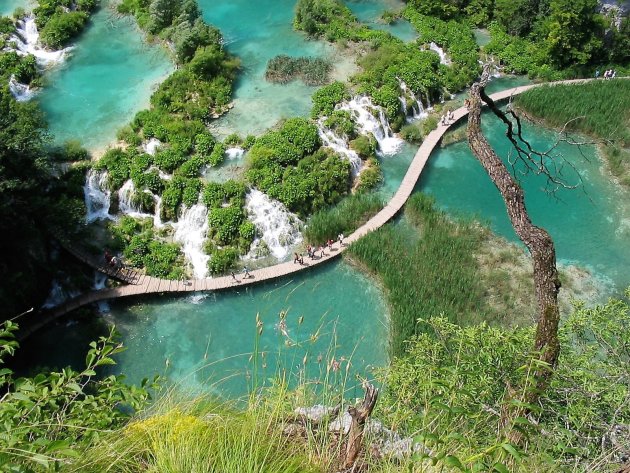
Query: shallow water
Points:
[109, 77]
[257, 32]
[589, 225]
[7, 7]
[204, 341]
[370, 11]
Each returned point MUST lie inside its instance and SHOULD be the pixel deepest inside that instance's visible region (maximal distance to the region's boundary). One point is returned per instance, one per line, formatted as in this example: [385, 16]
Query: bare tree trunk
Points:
[537, 240]
[359, 416]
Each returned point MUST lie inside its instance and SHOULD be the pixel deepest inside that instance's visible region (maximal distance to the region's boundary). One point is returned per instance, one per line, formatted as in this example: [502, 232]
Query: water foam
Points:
[278, 228]
[339, 145]
[191, 231]
[371, 119]
[21, 92]
[417, 107]
[97, 196]
[444, 59]
[26, 42]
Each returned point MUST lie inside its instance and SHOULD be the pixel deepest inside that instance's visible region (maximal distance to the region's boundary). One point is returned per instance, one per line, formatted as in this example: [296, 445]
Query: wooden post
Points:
[357, 426]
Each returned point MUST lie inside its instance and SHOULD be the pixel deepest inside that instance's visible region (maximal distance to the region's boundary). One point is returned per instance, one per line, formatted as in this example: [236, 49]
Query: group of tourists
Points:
[318, 251]
[448, 118]
[608, 74]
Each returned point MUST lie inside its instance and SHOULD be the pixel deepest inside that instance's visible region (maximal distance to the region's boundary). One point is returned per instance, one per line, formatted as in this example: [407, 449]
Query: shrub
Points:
[411, 133]
[325, 99]
[222, 259]
[62, 27]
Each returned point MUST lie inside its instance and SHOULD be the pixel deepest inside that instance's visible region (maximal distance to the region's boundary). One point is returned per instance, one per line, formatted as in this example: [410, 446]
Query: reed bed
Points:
[427, 272]
[600, 109]
[344, 218]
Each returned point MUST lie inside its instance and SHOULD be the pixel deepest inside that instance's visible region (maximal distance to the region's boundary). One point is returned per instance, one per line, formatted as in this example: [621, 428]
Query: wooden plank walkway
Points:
[150, 285]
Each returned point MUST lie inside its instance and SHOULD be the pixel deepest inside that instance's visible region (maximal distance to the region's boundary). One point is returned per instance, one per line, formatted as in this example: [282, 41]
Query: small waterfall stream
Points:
[97, 196]
[191, 231]
[340, 146]
[21, 92]
[417, 107]
[371, 119]
[27, 42]
[444, 59]
[276, 226]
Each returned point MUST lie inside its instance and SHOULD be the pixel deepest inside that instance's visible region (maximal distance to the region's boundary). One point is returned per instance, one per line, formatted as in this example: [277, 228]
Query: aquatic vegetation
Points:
[427, 271]
[345, 217]
[312, 71]
[599, 109]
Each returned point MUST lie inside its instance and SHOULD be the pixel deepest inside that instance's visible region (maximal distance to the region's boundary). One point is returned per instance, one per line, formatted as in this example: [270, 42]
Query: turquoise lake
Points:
[204, 339]
[108, 79]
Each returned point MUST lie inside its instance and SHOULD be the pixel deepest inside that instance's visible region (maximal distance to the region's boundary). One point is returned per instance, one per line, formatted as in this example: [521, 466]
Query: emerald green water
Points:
[7, 7]
[590, 225]
[204, 342]
[370, 11]
[256, 32]
[109, 77]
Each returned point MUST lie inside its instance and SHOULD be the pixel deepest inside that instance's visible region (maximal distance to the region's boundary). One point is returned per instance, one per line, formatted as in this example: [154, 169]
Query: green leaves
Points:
[52, 416]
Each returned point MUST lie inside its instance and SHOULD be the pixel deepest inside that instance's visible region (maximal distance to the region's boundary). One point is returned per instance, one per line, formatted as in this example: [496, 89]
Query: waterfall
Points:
[58, 294]
[443, 57]
[97, 196]
[417, 108]
[100, 282]
[340, 146]
[151, 146]
[126, 204]
[191, 231]
[371, 119]
[21, 92]
[234, 153]
[27, 42]
[278, 228]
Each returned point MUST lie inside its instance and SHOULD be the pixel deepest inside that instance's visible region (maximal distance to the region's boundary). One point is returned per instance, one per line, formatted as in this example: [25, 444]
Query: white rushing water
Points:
[191, 231]
[21, 92]
[97, 196]
[417, 107]
[276, 226]
[234, 153]
[371, 119]
[100, 282]
[339, 145]
[27, 42]
[443, 57]
[151, 147]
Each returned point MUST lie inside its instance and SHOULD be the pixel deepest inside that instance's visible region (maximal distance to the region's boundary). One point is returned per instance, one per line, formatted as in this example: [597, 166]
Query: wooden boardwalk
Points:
[143, 284]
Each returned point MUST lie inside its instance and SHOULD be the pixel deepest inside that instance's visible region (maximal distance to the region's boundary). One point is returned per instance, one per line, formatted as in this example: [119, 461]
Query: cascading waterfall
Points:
[234, 153]
[27, 42]
[443, 57]
[191, 231]
[126, 204]
[151, 147]
[340, 146]
[276, 226]
[21, 92]
[417, 108]
[97, 196]
[100, 282]
[371, 119]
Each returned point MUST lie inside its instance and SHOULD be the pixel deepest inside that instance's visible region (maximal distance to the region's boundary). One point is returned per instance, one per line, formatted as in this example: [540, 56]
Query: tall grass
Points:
[427, 272]
[604, 107]
[600, 109]
[344, 218]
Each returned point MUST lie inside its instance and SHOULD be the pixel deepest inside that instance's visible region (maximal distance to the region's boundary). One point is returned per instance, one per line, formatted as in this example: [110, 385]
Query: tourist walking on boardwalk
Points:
[340, 238]
[233, 276]
[246, 275]
[321, 249]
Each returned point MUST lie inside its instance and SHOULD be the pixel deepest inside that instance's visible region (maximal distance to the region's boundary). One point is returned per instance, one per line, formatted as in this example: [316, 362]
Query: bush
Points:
[365, 146]
[325, 99]
[284, 69]
[411, 133]
[62, 27]
[346, 217]
[222, 260]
